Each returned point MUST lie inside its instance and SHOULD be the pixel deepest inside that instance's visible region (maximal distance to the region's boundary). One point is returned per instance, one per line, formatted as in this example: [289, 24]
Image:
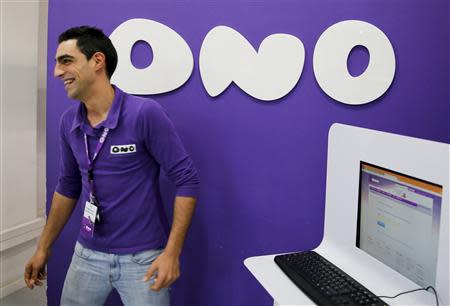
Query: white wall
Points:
[23, 44]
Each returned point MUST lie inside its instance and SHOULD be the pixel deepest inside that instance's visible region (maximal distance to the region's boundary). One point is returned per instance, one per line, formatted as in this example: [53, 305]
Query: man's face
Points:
[72, 66]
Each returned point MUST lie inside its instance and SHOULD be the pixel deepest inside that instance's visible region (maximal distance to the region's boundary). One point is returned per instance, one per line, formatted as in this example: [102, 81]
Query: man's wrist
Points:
[172, 251]
[43, 248]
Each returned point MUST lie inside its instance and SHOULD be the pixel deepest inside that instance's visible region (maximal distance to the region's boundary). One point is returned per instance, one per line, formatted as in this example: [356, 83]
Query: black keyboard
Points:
[323, 282]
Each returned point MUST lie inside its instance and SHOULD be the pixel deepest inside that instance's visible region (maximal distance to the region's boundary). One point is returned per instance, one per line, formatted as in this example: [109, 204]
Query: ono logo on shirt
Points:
[123, 149]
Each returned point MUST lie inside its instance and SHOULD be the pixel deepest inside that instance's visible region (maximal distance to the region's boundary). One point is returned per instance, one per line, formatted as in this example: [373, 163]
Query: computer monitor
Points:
[414, 159]
[398, 221]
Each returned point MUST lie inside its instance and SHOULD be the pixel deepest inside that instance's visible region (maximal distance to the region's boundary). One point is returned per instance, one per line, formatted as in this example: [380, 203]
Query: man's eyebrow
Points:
[63, 57]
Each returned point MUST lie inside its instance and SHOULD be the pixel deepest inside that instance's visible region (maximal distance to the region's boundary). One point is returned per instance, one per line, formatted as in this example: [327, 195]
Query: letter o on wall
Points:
[330, 62]
[172, 58]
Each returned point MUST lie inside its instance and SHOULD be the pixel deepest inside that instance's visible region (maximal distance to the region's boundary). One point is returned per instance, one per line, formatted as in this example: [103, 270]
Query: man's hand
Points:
[35, 269]
[60, 212]
[166, 269]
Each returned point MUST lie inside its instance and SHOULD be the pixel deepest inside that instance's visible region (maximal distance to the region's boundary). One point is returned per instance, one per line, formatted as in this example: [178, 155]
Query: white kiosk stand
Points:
[347, 146]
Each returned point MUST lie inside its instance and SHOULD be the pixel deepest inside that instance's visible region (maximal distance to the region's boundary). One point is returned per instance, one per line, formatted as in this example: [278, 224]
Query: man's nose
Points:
[57, 72]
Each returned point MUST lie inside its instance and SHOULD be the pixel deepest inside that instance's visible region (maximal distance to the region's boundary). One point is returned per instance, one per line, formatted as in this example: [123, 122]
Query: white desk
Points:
[285, 293]
[277, 284]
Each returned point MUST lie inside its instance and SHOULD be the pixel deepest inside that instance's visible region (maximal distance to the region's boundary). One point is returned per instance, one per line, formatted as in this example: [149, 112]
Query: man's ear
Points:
[99, 61]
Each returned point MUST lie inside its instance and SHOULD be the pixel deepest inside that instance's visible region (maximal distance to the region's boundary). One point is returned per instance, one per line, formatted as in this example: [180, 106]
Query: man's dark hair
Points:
[91, 40]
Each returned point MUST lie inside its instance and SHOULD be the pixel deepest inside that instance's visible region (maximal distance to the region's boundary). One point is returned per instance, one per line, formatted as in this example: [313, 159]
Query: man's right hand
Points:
[60, 212]
[35, 268]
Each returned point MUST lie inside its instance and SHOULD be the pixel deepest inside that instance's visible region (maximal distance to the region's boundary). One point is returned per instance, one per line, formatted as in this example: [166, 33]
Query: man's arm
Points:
[167, 265]
[164, 144]
[60, 212]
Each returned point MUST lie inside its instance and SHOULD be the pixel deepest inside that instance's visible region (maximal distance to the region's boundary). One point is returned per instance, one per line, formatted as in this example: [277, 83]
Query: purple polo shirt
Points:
[126, 179]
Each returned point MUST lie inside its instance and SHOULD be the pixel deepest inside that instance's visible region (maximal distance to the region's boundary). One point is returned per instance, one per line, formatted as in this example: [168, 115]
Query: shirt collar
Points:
[80, 119]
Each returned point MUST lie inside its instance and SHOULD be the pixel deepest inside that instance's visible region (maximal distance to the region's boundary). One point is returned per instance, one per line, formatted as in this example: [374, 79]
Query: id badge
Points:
[89, 216]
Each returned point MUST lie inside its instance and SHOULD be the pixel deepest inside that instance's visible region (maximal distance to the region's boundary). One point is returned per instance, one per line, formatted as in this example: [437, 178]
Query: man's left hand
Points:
[166, 269]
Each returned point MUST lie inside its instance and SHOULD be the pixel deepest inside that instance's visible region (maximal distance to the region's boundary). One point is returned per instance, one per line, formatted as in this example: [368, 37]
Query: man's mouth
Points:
[68, 81]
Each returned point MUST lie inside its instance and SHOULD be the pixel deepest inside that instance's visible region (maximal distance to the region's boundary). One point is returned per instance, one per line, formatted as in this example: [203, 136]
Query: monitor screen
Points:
[398, 221]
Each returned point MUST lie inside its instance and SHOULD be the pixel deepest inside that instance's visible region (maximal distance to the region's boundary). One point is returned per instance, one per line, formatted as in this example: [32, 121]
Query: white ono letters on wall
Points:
[267, 74]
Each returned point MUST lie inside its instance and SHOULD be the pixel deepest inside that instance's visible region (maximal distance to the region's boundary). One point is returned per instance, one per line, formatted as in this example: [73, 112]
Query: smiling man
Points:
[113, 146]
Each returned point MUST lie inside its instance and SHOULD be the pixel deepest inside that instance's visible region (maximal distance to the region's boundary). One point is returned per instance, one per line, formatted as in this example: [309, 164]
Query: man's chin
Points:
[72, 94]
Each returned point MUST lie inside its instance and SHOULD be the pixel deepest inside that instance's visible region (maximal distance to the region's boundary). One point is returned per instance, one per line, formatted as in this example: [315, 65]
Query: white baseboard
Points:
[16, 246]
[22, 233]
[12, 287]
[16, 286]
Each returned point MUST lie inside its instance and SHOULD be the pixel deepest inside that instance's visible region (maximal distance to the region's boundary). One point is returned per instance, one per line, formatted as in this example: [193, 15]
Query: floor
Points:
[26, 297]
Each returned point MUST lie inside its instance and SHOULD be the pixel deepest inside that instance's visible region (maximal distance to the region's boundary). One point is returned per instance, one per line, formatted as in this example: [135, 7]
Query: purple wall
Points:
[262, 165]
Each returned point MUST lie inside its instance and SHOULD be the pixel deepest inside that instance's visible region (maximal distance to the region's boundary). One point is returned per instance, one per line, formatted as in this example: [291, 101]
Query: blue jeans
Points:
[92, 275]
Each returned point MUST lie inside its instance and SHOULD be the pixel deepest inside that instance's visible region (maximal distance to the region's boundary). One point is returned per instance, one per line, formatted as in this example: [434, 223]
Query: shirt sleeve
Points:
[164, 144]
[69, 181]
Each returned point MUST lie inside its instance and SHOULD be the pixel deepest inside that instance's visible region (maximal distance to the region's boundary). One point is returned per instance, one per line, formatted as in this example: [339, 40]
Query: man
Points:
[112, 148]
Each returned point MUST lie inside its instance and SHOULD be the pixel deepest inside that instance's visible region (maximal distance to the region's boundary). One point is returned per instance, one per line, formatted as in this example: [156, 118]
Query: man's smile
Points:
[68, 81]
